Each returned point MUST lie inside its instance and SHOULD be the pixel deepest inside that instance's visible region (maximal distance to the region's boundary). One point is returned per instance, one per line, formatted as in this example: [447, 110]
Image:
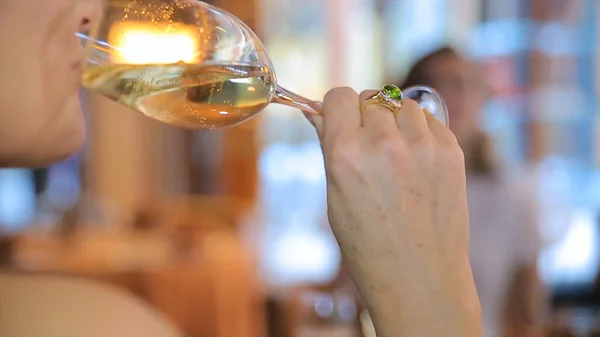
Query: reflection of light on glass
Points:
[17, 198]
[429, 105]
[241, 80]
[140, 43]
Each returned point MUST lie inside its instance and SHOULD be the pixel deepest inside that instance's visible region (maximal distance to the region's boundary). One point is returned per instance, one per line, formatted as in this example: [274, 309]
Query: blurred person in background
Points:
[505, 241]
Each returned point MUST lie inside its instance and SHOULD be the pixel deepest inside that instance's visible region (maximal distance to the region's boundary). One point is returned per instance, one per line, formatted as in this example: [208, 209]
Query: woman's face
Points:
[461, 86]
[40, 68]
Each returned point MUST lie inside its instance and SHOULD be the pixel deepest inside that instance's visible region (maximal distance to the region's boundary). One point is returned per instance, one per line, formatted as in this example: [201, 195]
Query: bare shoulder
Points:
[60, 306]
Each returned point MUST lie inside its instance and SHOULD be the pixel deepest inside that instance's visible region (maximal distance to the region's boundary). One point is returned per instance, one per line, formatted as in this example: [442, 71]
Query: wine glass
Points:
[190, 64]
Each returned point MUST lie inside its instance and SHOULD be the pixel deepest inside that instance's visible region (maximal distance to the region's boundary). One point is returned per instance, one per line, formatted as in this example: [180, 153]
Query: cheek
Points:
[58, 77]
[35, 76]
[23, 90]
[59, 57]
[39, 110]
[39, 107]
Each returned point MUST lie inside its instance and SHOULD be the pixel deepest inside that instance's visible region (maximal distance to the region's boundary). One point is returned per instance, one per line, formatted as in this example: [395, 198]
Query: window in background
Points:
[314, 45]
[412, 29]
[296, 246]
[365, 29]
[63, 188]
[537, 60]
[569, 187]
[17, 199]
[498, 44]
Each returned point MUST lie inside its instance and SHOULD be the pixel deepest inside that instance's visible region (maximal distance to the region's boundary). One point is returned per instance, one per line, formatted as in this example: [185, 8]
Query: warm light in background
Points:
[143, 43]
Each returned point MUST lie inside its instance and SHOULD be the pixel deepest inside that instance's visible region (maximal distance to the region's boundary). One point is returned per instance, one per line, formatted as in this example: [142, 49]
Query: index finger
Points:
[341, 112]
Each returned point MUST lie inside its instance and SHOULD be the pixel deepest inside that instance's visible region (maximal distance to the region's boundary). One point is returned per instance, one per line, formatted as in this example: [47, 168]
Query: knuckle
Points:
[410, 105]
[366, 94]
[339, 93]
[390, 146]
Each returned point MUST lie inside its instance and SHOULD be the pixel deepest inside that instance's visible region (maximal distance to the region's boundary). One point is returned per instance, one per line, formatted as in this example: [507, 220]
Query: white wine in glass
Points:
[187, 95]
[190, 64]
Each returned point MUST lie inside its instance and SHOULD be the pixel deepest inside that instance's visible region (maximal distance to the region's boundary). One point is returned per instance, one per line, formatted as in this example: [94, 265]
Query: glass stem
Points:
[83, 38]
[286, 97]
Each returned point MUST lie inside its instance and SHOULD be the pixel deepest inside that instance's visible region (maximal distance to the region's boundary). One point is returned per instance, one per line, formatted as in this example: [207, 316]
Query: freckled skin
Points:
[397, 206]
[40, 63]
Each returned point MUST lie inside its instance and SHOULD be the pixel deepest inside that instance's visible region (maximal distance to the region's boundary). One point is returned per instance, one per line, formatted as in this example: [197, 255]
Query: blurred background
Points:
[226, 233]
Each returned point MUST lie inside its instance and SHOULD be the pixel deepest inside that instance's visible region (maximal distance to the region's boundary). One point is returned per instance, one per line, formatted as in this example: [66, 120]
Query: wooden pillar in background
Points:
[238, 155]
[132, 159]
[239, 146]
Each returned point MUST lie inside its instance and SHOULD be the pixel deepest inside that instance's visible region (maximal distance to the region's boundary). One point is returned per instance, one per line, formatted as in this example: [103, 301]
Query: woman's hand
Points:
[397, 205]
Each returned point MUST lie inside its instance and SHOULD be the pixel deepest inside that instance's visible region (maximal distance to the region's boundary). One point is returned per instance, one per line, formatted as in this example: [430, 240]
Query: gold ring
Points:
[390, 98]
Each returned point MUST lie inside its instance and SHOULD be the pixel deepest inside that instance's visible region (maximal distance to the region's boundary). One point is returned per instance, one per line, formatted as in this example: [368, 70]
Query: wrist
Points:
[423, 303]
[427, 316]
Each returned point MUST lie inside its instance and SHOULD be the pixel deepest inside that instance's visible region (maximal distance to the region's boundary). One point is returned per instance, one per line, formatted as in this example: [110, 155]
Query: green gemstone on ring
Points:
[392, 92]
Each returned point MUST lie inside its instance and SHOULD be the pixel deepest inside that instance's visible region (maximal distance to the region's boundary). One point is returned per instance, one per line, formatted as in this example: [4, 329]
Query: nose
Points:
[89, 12]
[85, 25]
